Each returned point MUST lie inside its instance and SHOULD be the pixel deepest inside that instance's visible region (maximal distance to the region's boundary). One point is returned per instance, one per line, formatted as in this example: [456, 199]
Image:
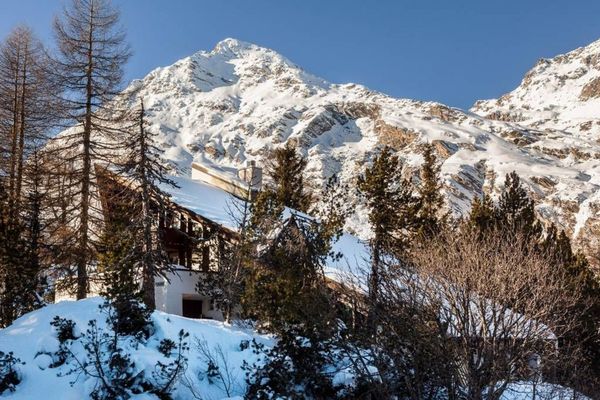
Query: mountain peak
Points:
[234, 46]
[238, 101]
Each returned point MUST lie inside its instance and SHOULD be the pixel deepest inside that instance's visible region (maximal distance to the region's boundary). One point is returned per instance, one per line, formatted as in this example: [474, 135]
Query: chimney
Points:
[252, 175]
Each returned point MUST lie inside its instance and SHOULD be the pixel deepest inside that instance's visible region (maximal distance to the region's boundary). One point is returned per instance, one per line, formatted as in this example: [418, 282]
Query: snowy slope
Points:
[32, 334]
[559, 100]
[239, 101]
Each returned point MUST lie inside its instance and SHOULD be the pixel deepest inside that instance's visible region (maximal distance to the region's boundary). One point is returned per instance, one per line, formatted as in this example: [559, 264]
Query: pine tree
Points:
[116, 260]
[285, 287]
[515, 210]
[12, 247]
[333, 208]
[285, 283]
[483, 214]
[144, 167]
[557, 246]
[392, 208]
[92, 54]
[286, 169]
[33, 277]
[20, 246]
[430, 192]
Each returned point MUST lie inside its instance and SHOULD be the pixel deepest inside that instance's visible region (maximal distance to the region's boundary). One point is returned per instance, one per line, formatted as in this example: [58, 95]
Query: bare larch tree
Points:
[91, 55]
[29, 109]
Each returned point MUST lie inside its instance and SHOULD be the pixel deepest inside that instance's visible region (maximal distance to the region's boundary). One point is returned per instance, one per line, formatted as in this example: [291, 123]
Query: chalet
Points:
[196, 227]
[199, 222]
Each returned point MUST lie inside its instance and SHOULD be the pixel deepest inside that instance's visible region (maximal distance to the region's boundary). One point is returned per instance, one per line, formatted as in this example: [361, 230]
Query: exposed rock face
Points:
[239, 101]
[591, 90]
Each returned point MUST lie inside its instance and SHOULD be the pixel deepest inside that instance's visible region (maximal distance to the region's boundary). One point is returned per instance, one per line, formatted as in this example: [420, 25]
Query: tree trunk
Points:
[148, 269]
[21, 148]
[82, 279]
[374, 285]
[15, 136]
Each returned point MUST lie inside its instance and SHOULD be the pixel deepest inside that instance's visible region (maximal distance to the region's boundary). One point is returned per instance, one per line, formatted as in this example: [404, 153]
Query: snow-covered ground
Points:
[32, 335]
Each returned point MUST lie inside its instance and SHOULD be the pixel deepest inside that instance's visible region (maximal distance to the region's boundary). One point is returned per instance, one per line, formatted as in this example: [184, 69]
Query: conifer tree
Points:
[20, 246]
[286, 169]
[11, 249]
[28, 105]
[515, 210]
[430, 192]
[285, 285]
[482, 215]
[557, 246]
[91, 56]
[144, 167]
[116, 259]
[392, 208]
[34, 231]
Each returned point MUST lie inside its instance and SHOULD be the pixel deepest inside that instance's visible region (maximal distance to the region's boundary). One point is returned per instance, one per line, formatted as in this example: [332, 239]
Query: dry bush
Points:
[468, 316]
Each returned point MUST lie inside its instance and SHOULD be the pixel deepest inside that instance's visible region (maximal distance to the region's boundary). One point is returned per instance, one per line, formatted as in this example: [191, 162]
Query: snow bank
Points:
[32, 334]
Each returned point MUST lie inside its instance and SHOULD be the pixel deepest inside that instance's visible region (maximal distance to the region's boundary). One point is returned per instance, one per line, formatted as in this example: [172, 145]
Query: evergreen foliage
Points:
[117, 376]
[285, 285]
[515, 210]
[557, 245]
[167, 375]
[483, 214]
[116, 260]
[106, 360]
[143, 165]
[514, 215]
[9, 374]
[393, 209]
[430, 216]
[286, 168]
[20, 266]
[296, 368]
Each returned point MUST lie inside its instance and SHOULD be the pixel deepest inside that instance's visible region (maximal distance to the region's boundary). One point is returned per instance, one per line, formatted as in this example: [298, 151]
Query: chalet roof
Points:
[221, 207]
[205, 200]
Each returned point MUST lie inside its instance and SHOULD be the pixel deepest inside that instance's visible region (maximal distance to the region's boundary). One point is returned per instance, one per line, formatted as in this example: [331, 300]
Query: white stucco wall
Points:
[180, 284]
[169, 293]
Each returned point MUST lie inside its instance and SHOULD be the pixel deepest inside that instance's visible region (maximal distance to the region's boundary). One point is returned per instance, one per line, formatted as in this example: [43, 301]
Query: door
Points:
[192, 308]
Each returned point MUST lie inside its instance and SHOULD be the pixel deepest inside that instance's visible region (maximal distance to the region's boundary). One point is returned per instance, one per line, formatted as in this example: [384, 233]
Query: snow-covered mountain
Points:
[238, 101]
[559, 101]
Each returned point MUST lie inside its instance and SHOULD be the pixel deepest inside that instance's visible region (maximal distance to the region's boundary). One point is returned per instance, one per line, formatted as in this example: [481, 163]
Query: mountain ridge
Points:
[238, 101]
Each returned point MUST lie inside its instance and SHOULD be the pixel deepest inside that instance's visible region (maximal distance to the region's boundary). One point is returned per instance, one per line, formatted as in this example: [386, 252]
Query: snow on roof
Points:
[205, 200]
[219, 206]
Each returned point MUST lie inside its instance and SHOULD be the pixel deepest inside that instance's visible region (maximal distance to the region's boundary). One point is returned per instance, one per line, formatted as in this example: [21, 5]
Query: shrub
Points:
[9, 375]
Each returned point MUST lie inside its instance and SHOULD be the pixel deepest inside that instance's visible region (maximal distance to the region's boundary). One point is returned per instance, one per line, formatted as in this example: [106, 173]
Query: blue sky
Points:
[454, 52]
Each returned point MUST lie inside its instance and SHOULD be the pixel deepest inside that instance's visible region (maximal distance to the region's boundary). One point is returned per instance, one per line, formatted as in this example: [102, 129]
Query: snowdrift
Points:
[32, 335]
